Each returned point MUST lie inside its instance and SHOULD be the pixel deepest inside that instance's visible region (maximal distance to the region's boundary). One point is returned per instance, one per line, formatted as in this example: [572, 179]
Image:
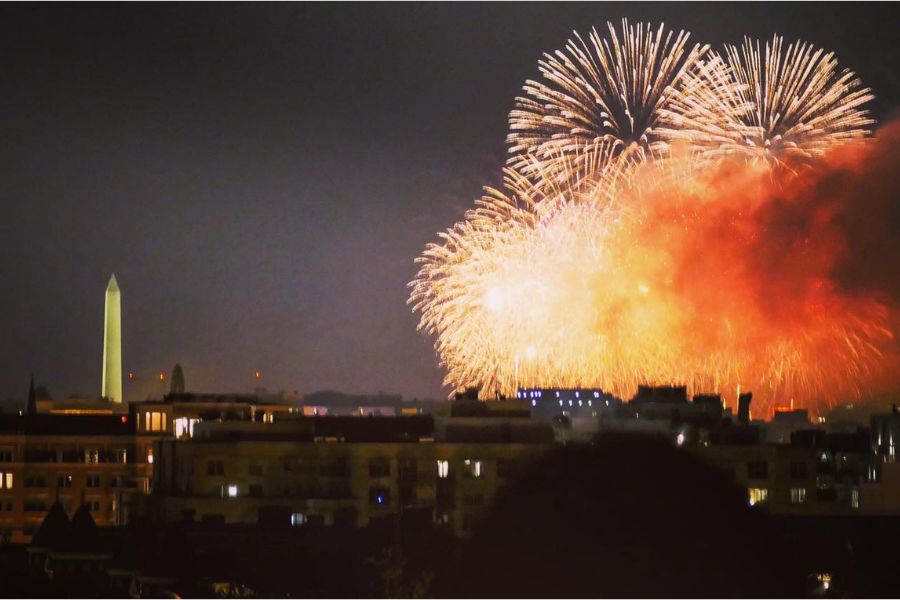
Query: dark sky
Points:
[260, 177]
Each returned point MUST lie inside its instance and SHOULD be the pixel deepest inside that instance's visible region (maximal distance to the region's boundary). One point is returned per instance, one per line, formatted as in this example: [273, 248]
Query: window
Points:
[230, 490]
[6, 455]
[155, 421]
[408, 470]
[255, 490]
[297, 519]
[64, 481]
[758, 469]
[798, 495]
[93, 481]
[472, 468]
[379, 496]
[798, 471]
[35, 481]
[6, 481]
[854, 498]
[35, 505]
[150, 454]
[215, 467]
[91, 455]
[184, 427]
[473, 500]
[93, 505]
[443, 468]
[120, 455]
[255, 470]
[758, 495]
[379, 467]
[506, 468]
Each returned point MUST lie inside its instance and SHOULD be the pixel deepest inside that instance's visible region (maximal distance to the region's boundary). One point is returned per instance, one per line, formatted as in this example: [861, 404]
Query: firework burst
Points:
[800, 103]
[633, 240]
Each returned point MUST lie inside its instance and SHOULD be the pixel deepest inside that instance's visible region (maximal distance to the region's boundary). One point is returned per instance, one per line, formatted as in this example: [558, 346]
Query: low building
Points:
[90, 459]
[343, 470]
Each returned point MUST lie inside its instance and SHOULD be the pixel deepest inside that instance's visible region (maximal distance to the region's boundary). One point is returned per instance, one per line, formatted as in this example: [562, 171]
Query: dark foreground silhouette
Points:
[628, 516]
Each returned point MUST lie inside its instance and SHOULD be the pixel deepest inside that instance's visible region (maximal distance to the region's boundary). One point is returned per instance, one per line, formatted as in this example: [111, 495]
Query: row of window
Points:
[798, 496]
[378, 468]
[759, 469]
[86, 455]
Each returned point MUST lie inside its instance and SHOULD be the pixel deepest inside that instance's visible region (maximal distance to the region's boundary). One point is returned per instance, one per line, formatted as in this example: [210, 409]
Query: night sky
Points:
[261, 177]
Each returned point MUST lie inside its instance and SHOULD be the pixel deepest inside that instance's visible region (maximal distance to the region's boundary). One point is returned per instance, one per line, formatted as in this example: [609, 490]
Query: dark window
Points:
[9, 506]
[338, 467]
[215, 467]
[6, 455]
[64, 481]
[407, 494]
[379, 467]
[473, 500]
[255, 490]
[255, 470]
[407, 470]
[35, 505]
[798, 470]
[93, 481]
[506, 468]
[758, 469]
[379, 496]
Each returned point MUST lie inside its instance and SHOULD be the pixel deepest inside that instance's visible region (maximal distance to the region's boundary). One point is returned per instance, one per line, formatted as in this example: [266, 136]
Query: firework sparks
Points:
[801, 105]
[601, 99]
[610, 259]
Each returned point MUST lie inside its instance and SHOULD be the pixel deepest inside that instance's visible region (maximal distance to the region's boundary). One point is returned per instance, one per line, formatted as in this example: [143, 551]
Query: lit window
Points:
[184, 427]
[557, 394]
[798, 495]
[854, 498]
[758, 495]
[473, 468]
[560, 402]
[232, 490]
[589, 403]
[6, 481]
[155, 419]
[534, 402]
[576, 394]
[443, 468]
[298, 519]
[91, 455]
[680, 439]
[150, 455]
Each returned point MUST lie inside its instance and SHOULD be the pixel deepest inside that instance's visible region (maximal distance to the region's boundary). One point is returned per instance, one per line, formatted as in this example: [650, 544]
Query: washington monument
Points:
[112, 343]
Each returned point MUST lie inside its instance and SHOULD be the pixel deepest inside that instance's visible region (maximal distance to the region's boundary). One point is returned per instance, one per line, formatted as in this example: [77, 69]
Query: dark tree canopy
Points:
[630, 516]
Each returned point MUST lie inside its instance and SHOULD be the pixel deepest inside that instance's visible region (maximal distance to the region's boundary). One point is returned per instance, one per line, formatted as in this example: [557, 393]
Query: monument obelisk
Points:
[112, 343]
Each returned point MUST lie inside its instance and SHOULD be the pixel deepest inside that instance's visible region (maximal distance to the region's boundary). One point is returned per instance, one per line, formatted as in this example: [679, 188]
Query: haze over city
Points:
[260, 179]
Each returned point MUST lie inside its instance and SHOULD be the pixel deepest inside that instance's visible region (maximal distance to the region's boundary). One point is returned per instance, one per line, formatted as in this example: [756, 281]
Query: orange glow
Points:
[124, 419]
[162, 376]
[257, 374]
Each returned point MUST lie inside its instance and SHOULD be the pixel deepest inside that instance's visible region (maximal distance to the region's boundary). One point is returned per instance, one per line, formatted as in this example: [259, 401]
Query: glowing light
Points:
[631, 239]
[257, 374]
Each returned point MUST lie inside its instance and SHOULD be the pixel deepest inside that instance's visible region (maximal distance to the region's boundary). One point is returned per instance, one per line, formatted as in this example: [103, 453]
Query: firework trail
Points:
[644, 235]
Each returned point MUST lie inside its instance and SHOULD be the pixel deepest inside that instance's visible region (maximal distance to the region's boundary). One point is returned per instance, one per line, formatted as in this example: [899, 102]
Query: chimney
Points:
[744, 408]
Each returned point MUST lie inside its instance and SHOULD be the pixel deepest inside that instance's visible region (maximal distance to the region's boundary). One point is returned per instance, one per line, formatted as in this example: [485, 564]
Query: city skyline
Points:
[262, 202]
